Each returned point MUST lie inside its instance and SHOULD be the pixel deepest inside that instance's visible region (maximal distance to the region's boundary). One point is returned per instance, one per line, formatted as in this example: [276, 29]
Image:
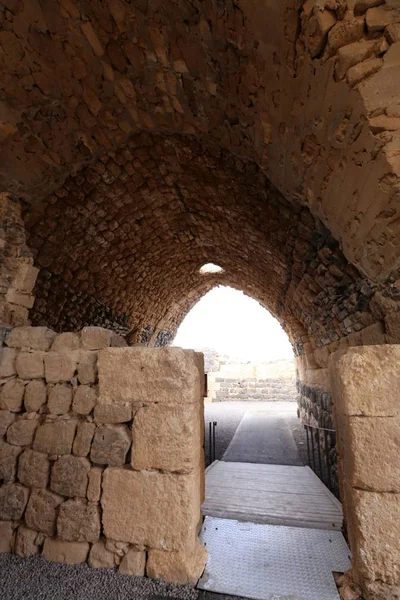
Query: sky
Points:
[234, 324]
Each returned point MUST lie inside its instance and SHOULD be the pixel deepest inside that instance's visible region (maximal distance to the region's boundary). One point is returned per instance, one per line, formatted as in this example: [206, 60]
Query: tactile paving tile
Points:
[270, 562]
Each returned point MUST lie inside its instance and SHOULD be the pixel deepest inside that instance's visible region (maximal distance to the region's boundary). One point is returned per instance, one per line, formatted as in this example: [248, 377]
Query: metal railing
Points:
[320, 443]
[212, 425]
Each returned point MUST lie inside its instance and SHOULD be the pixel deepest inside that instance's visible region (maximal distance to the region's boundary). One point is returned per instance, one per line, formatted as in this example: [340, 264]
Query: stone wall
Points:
[101, 452]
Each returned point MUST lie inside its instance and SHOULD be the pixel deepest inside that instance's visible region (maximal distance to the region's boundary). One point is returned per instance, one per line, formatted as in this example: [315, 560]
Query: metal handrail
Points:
[316, 441]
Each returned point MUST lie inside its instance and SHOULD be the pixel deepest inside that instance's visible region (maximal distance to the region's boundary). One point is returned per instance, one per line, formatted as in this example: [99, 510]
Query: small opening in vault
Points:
[210, 268]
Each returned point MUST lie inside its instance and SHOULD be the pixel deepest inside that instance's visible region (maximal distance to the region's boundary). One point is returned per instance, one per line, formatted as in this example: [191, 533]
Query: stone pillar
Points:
[366, 388]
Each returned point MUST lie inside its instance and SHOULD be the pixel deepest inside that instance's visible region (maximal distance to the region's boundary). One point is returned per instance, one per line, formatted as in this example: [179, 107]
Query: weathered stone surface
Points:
[133, 563]
[59, 367]
[172, 508]
[71, 553]
[85, 398]
[13, 499]
[26, 542]
[6, 418]
[118, 548]
[66, 343]
[30, 365]
[87, 367]
[22, 432]
[11, 395]
[83, 438]
[167, 376]
[78, 521]
[35, 396]
[56, 437]
[8, 460]
[7, 362]
[110, 445]
[380, 17]
[167, 438]
[94, 486]
[69, 476]
[31, 338]
[185, 566]
[94, 338]
[60, 398]
[41, 512]
[6, 536]
[377, 590]
[101, 557]
[33, 469]
[112, 413]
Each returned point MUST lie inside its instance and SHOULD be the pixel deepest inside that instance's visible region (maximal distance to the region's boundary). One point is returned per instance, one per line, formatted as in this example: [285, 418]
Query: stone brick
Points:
[11, 395]
[31, 338]
[172, 508]
[59, 367]
[101, 557]
[22, 432]
[26, 542]
[30, 365]
[13, 499]
[8, 460]
[94, 486]
[166, 375]
[66, 343]
[7, 362]
[94, 338]
[110, 445]
[83, 438]
[84, 399]
[167, 438]
[118, 548]
[69, 476]
[78, 521]
[133, 563]
[35, 396]
[41, 512]
[87, 367]
[112, 413]
[184, 566]
[71, 553]
[60, 398]
[6, 418]
[33, 469]
[6, 536]
[374, 334]
[56, 437]
[26, 277]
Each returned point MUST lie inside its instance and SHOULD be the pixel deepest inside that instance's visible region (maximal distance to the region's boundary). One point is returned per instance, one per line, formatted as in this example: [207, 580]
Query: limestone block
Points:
[376, 551]
[350, 55]
[363, 70]
[41, 512]
[66, 343]
[11, 395]
[366, 381]
[30, 365]
[26, 277]
[376, 590]
[69, 476]
[35, 396]
[60, 398]
[373, 335]
[110, 445]
[94, 338]
[150, 508]
[31, 338]
[84, 399]
[117, 341]
[78, 521]
[59, 367]
[6, 536]
[185, 566]
[118, 548]
[13, 499]
[33, 469]
[8, 460]
[22, 432]
[71, 553]
[112, 413]
[163, 375]
[380, 17]
[87, 367]
[6, 418]
[7, 362]
[167, 438]
[101, 557]
[94, 486]
[392, 322]
[56, 437]
[319, 26]
[392, 33]
[19, 298]
[133, 563]
[26, 542]
[83, 438]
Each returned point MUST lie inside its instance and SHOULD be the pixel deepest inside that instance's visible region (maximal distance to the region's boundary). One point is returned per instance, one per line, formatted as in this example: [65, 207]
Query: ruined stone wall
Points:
[101, 452]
